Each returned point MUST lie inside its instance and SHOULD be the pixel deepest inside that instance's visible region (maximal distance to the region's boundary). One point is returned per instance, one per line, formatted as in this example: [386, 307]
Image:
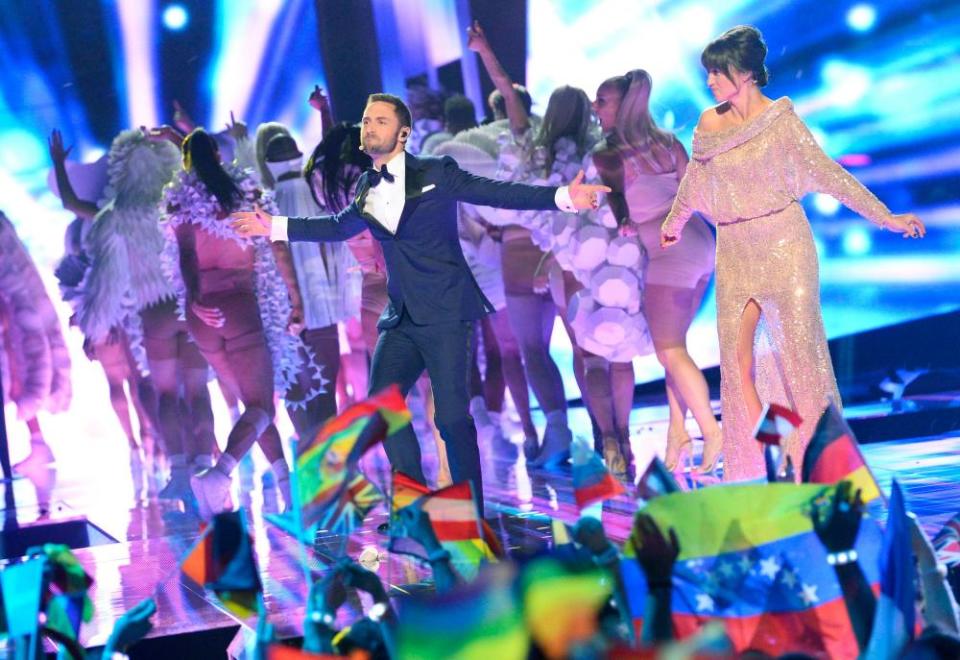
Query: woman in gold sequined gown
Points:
[753, 161]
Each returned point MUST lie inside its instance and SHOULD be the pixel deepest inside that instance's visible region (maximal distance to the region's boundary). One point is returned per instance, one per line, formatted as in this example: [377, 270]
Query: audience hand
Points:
[589, 533]
[131, 627]
[295, 323]
[655, 553]
[837, 522]
[417, 524]
[57, 153]
[666, 240]
[360, 578]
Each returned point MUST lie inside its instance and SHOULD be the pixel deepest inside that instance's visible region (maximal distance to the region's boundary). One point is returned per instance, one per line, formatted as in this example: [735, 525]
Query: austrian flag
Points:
[776, 423]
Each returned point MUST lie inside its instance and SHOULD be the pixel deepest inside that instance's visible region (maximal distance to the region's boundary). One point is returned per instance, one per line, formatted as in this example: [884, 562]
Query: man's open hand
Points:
[252, 223]
[585, 196]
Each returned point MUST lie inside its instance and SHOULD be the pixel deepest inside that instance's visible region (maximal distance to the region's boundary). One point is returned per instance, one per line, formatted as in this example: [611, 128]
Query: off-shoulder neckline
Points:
[708, 144]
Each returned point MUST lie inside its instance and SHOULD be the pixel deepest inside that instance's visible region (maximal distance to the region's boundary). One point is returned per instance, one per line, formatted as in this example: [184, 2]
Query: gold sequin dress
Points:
[749, 181]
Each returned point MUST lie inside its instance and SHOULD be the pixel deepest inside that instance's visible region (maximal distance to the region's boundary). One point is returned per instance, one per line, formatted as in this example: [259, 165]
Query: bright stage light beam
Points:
[139, 56]
[856, 241]
[825, 204]
[175, 17]
[862, 17]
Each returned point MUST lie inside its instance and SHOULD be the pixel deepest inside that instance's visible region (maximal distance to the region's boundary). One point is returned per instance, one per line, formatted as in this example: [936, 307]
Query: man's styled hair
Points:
[403, 112]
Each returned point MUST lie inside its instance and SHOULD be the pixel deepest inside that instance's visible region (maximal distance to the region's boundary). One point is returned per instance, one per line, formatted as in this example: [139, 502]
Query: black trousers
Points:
[443, 349]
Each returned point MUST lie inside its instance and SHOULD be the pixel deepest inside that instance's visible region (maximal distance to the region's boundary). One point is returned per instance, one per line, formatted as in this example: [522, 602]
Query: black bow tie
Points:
[374, 176]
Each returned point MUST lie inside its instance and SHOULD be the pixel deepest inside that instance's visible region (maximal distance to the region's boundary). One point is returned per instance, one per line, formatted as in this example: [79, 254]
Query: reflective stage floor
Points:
[142, 538]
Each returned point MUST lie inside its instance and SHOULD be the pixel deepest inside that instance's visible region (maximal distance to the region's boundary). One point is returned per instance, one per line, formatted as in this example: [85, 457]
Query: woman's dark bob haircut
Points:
[742, 49]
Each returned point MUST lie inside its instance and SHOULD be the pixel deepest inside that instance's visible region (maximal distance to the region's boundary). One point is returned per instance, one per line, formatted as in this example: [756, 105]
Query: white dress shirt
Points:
[385, 201]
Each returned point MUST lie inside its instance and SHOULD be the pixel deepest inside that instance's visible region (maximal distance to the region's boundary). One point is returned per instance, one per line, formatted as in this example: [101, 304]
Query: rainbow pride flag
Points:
[561, 603]
[833, 455]
[480, 620]
[750, 559]
[326, 466]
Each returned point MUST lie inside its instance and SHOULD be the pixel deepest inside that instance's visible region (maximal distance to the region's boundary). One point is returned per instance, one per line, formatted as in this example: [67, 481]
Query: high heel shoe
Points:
[627, 451]
[678, 445]
[613, 457]
[712, 449]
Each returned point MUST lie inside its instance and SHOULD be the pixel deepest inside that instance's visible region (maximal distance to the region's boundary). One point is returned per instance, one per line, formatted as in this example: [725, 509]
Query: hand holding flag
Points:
[836, 520]
[774, 427]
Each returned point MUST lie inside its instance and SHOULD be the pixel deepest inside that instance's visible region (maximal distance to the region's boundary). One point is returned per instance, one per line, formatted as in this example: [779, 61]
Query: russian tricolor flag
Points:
[592, 481]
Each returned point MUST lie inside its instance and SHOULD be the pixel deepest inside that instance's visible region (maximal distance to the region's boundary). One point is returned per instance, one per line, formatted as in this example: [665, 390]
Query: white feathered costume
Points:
[34, 359]
[125, 241]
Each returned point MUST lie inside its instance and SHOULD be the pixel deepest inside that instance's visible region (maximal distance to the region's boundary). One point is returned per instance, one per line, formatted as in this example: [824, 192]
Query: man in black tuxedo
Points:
[410, 206]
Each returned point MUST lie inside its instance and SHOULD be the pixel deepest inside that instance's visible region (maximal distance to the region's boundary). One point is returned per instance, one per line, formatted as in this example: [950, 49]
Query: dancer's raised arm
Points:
[86, 209]
[516, 112]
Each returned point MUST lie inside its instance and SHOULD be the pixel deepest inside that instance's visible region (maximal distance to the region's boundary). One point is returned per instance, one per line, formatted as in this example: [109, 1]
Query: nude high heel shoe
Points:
[712, 449]
[613, 457]
[678, 446]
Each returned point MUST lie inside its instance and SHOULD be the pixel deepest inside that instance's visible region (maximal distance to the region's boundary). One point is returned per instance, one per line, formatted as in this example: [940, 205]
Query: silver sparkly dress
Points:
[749, 181]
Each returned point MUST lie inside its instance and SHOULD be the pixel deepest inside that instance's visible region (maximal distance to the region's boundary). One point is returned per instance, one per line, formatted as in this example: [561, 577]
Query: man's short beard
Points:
[382, 152]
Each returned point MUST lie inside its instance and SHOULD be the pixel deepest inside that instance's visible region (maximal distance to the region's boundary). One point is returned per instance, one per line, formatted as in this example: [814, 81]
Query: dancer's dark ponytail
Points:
[201, 154]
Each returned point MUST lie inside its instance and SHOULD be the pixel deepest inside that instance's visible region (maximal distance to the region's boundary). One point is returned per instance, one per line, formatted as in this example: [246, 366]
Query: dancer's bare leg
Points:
[117, 370]
[513, 371]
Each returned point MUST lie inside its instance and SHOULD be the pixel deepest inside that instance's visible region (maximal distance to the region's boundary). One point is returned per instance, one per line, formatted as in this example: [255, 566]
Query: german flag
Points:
[833, 455]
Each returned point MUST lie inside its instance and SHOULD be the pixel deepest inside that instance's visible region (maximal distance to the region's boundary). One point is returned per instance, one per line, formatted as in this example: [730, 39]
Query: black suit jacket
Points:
[426, 273]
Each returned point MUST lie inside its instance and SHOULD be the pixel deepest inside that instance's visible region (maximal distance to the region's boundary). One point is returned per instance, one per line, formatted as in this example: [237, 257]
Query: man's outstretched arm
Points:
[327, 228]
[478, 190]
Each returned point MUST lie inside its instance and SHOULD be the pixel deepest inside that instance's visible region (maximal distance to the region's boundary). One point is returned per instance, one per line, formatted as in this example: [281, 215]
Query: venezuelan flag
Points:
[749, 558]
[833, 455]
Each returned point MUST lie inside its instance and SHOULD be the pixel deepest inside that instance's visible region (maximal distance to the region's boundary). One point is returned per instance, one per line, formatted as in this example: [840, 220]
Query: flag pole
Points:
[298, 515]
